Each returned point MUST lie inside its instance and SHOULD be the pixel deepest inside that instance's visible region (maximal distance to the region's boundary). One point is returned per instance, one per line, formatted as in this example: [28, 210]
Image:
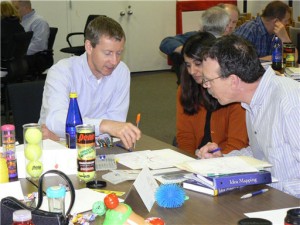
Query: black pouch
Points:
[39, 217]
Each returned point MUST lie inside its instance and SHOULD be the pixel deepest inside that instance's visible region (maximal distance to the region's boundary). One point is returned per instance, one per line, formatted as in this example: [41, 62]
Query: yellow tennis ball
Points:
[33, 135]
[86, 176]
[33, 152]
[34, 168]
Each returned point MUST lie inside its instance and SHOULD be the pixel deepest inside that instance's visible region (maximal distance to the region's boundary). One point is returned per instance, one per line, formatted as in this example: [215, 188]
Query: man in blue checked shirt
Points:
[261, 31]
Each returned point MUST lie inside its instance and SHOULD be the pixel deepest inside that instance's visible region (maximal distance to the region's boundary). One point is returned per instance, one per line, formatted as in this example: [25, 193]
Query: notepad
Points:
[224, 165]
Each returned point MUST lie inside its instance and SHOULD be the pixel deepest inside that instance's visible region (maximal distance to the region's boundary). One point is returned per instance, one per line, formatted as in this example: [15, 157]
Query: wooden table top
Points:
[200, 208]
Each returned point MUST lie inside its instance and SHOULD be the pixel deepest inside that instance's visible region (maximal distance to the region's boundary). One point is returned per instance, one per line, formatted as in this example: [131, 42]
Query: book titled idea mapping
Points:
[197, 186]
[235, 179]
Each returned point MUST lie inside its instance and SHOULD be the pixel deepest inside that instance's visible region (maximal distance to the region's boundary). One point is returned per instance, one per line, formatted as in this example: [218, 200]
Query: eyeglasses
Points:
[204, 81]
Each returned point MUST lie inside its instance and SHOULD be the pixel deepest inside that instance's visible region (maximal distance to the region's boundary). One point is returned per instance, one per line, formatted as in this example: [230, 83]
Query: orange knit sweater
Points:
[227, 127]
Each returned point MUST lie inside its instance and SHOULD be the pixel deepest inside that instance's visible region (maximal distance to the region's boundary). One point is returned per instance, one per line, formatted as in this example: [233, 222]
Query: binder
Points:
[235, 179]
[197, 186]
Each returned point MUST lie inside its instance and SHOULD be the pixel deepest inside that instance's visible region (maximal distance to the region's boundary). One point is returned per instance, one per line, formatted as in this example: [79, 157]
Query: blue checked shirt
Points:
[255, 32]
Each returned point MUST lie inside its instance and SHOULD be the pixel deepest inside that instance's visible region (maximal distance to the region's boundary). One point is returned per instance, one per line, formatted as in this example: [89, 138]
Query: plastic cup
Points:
[33, 150]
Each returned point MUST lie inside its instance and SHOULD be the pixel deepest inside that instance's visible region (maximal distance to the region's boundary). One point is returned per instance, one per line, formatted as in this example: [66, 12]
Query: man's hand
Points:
[280, 31]
[127, 132]
[47, 134]
[204, 152]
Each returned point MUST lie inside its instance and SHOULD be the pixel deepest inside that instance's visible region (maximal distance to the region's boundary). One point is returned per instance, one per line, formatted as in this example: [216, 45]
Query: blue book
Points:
[197, 186]
[236, 179]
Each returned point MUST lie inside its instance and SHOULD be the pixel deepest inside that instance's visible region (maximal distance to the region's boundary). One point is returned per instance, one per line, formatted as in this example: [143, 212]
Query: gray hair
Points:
[214, 20]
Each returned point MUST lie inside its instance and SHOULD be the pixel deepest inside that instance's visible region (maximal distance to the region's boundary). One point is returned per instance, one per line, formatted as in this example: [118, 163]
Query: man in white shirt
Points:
[101, 80]
[232, 73]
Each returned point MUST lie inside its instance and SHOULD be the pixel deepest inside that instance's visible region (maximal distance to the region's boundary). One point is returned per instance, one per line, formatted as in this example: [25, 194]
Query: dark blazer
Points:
[9, 26]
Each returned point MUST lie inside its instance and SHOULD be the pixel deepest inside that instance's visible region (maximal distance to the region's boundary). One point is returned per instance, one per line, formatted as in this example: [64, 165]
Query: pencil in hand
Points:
[138, 119]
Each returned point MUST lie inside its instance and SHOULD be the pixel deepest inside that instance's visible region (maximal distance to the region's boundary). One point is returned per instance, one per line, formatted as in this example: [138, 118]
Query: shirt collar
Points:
[262, 27]
[261, 89]
[28, 15]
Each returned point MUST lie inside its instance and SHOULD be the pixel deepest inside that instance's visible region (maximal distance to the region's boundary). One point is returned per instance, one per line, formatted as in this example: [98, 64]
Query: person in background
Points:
[37, 59]
[200, 118]
[261, 31]
[213, 20]
[272, 106]
[234, 13]
[10, 25]
[101, 80]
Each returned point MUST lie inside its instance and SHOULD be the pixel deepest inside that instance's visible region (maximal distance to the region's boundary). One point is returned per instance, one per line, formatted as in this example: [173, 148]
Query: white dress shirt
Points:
[273, 125]
[106, 98]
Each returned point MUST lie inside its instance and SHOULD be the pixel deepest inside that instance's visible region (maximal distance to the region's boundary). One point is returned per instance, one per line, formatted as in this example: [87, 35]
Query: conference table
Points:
[199, 208]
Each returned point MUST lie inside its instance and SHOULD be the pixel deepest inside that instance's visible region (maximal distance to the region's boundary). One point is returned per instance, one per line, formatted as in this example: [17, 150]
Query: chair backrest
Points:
[17, 66]
[51, 39]
[88, 20]
[297, 24]
[25, 100]
[22, 41]
[294, 31]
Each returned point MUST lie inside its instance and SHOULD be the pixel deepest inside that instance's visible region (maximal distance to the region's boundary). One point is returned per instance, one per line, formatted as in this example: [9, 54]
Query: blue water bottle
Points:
[277, 55]
[73, 119]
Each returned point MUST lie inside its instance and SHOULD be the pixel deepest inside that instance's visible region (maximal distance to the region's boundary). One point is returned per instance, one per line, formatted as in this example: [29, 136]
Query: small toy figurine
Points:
[121, 213]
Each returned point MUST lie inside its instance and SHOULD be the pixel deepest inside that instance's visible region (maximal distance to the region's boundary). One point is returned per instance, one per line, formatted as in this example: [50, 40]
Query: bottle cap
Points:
[73, 95]
[22, 215]
[7, 127]
[56, 192]
[254, 221]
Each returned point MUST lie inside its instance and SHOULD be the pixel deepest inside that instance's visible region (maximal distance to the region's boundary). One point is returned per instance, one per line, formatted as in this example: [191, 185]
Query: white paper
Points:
[146, 186]
[224, 165]
[84, 200]
[157, 159]
[55, 156]
[11, 189]
[275, 216]
[160, 178]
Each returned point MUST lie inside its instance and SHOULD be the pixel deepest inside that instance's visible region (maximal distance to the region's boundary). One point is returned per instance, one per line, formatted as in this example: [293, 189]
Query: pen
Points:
[215, 150]
[249, 195]
[121, 146]
[138, 118]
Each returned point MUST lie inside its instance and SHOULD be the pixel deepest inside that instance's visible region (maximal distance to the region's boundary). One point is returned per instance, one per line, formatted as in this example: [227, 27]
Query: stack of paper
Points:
[224, 165]
[292, 72]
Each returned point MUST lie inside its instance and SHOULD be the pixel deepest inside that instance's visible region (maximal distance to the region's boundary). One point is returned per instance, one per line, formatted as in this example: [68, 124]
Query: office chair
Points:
[294, 33]
[15, 66]
[25, 100]
[77, 50]
[45, 57]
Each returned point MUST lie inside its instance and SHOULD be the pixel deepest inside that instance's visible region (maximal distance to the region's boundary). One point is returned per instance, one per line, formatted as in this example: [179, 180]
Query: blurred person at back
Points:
[261, 31]
[38, 59]
[214, 20]
[10, 25]
[200, 118]
[234, 13]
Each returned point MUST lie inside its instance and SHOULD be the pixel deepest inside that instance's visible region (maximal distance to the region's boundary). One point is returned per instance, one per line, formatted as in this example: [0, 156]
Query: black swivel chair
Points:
[77, 50]
[46, 59]
[25, 100]
[15, 66]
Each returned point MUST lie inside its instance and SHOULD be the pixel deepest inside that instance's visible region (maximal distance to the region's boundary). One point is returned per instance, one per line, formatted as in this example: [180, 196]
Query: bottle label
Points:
[71, 137]
[86, 165]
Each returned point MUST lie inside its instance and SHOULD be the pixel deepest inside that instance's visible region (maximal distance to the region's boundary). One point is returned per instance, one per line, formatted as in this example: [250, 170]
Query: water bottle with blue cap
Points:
[56, 198]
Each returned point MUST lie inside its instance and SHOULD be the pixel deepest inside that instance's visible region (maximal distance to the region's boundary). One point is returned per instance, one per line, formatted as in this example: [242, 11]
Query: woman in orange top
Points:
[200, 118]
